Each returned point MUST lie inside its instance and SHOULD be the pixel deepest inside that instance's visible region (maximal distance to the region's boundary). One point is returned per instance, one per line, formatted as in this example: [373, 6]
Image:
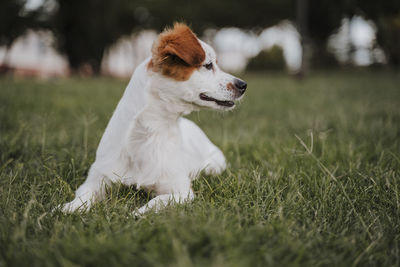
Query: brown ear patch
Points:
[177, 53]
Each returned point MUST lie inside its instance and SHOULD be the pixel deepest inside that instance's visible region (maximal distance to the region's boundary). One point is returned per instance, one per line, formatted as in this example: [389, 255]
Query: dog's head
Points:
[187, 69]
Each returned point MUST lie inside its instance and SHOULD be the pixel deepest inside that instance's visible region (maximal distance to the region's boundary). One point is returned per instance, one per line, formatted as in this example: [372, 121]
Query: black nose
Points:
[240, 85]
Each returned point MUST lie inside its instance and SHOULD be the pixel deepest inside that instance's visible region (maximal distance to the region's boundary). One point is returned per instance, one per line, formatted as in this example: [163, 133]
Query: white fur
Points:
[149, 144]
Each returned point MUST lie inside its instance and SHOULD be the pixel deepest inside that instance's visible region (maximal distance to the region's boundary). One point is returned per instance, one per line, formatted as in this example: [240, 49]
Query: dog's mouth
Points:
[219, 102]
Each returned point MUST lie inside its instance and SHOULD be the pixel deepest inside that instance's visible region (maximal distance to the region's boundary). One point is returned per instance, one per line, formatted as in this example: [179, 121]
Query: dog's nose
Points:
[241, 86]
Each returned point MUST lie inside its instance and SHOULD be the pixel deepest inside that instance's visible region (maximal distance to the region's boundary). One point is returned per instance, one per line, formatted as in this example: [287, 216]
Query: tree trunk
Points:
[4, 68]
[302, 27]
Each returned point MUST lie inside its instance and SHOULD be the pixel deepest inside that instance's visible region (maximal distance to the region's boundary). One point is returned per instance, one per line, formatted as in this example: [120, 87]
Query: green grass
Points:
[313, 179]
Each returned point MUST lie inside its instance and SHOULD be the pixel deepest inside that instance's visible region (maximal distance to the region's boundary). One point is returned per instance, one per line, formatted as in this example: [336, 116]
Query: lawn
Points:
[314, 178]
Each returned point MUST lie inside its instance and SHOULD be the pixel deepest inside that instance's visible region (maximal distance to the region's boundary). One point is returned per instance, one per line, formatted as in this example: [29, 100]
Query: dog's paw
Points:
[74, 205]
[136, 214]
[216, 164]
[139, 213]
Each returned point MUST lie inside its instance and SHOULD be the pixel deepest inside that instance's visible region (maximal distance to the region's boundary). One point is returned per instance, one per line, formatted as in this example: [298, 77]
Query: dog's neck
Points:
[161, 114]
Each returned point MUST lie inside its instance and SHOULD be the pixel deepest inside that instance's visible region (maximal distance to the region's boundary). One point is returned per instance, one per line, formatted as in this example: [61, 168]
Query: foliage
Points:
[271, 59]
[215, 14]
[83, 37]
[14, 21]
[387, 19]
[11, 22]
[86, 28]
[389, 38]
[313, 178]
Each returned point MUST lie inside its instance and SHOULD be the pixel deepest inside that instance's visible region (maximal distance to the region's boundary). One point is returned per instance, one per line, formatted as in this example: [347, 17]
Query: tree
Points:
[318, 18]
[84, 29]
[386, 15]
[388, 37]
[14, 21]
[215, 14]
[324, 16]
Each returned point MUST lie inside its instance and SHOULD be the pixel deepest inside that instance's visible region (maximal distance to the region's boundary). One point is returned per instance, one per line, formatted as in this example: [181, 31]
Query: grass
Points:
[313, 179]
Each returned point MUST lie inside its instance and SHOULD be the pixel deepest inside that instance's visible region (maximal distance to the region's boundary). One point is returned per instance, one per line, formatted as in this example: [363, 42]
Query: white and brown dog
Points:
[147, 142]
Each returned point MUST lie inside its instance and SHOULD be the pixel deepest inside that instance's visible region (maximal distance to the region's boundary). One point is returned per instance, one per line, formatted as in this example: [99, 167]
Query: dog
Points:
[147, 141]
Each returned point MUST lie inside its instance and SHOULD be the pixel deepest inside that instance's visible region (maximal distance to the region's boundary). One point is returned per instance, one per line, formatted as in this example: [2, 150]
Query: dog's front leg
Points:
[163, 200]
[93, 189]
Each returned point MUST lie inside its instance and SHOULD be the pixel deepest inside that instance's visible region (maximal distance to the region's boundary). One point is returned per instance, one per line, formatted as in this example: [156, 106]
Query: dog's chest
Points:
[154, 156]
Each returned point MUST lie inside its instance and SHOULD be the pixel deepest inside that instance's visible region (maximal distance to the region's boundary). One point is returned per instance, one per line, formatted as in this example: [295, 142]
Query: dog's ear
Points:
[177, 52]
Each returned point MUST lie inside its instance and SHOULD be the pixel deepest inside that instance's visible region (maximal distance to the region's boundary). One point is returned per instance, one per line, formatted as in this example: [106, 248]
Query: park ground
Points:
[314, 177]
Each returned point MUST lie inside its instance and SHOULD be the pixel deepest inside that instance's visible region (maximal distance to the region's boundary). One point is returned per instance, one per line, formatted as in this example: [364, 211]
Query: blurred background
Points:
[56, 38]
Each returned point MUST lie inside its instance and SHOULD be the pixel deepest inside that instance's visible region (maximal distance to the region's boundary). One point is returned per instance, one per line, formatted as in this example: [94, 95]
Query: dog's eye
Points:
[209, 66]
